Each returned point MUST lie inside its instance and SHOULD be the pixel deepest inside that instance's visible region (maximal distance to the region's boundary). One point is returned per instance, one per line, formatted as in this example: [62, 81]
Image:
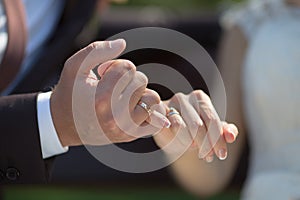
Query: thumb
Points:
[94, 54]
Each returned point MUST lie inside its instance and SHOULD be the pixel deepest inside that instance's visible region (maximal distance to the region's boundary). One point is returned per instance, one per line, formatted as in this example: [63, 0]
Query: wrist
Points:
[61, 112]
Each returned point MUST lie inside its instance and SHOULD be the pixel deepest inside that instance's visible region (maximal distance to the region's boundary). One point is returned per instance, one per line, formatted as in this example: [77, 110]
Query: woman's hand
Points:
[195, 124]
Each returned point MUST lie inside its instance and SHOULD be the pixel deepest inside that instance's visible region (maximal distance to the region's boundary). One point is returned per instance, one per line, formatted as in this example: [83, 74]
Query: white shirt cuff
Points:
[50, 143]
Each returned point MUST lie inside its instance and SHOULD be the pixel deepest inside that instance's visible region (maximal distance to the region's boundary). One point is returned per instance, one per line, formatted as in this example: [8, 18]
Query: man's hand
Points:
[196, 125]
[86, 110]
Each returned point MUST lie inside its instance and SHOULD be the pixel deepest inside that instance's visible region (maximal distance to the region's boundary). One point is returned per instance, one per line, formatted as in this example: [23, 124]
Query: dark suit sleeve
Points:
[20, 152]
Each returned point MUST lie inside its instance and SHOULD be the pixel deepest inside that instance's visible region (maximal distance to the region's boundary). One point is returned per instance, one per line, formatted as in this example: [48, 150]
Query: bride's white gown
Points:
[271, 83]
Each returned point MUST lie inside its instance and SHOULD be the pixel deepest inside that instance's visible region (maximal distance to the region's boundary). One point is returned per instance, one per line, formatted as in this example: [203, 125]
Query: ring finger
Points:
[145, 110]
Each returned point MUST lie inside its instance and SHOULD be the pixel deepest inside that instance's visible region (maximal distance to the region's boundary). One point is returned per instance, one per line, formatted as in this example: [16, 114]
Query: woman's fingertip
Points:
[209, 159]
[222, 154]
[233, 129]
[230, 137]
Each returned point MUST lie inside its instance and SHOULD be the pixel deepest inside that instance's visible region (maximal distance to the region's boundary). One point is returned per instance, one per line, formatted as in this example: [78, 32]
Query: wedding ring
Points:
[172, 111]
[145, 106]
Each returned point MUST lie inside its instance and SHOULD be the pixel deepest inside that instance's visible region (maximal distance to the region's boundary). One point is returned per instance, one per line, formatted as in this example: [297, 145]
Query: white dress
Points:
[271, 87]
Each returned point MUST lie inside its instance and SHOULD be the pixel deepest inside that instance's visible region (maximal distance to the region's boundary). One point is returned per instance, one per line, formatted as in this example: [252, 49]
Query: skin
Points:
[193, 173]
[197, 116]
[194, 170]
[132, 89]
[111, 71]
[195, 122]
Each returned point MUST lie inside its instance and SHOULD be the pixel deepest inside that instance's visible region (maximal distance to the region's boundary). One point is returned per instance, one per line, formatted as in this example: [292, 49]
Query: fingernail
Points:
[116, 43]
[230, 137]
[166, 123]
[230, 130]
[222, 154]
[209, 159]
[201, 156]
[201, 123]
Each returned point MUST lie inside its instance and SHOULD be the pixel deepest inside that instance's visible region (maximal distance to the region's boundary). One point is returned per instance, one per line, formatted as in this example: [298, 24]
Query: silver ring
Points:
[172, 111]
[145, 106]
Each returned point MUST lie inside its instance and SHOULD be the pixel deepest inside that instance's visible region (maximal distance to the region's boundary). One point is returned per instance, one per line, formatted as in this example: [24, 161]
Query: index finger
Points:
[214, 138]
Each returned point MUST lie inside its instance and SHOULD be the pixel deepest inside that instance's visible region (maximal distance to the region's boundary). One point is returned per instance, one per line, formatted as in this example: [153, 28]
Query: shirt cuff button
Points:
[12, 174]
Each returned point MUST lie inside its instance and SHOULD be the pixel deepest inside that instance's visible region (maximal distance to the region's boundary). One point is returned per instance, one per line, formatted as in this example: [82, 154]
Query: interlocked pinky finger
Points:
[175, 119]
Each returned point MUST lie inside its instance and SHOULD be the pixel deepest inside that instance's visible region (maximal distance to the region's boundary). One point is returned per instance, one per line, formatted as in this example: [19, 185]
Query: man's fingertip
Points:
[167, 123]
[118, 43]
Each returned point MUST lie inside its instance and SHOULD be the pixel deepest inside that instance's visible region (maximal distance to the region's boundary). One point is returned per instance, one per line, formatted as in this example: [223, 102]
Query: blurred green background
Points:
[181, 4]
[52, 193]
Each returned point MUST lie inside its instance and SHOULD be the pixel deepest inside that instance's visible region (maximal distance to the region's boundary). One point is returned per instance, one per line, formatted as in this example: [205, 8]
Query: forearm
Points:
[198, 176]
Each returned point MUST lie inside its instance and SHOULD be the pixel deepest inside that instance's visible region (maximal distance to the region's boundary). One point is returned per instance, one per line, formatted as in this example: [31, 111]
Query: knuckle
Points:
[152, 96]
[175, 99]
[200, 94]
[126, 64]
[179, 95]
[122, 67]
[208, 116]
[115, 64]
[210, 119]
[141, 78]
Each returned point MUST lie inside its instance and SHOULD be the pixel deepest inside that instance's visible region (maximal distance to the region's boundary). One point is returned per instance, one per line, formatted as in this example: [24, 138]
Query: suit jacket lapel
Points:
[50, 62]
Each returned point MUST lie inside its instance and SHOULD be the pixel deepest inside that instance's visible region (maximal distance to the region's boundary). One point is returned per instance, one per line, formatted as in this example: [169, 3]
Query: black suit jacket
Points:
[20, 152]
